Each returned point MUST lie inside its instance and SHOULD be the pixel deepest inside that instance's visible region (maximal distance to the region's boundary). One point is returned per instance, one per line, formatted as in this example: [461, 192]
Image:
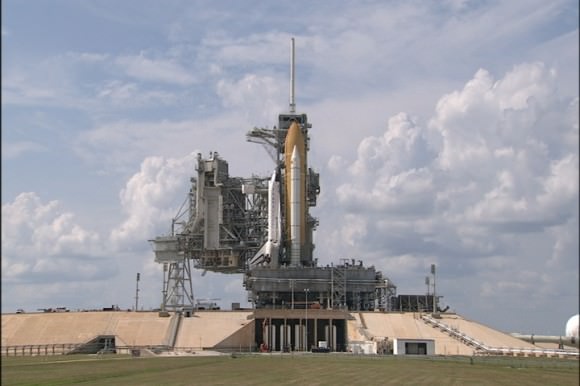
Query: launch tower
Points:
[262, 227]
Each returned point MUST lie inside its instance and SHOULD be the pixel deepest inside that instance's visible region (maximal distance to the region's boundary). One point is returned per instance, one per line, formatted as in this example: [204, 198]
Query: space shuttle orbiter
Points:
[269, 252]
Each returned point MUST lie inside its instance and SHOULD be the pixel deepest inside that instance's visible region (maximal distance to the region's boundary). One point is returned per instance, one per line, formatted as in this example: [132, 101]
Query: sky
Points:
[445, 132]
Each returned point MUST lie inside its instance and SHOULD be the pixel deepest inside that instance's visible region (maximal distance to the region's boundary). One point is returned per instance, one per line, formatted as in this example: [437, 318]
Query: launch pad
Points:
[262, 227]
[344, 286]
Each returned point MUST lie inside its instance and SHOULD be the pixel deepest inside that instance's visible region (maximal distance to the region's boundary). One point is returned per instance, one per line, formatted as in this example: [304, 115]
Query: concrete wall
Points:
[235, 330]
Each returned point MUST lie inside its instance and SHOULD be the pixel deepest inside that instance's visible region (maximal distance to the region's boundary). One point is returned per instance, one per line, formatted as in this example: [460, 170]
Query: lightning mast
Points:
[292, 65]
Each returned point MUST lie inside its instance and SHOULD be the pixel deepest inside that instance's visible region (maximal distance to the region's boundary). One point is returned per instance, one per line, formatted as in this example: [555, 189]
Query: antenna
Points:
[292, 102]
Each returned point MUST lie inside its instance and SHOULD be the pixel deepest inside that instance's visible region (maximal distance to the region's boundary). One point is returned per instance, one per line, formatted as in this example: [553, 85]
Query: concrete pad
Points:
[232, 330]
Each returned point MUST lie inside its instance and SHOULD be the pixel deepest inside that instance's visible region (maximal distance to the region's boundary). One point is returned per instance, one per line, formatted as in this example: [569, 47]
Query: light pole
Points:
[137, 293]
[306, 290]
[435, 313]
[427, 283]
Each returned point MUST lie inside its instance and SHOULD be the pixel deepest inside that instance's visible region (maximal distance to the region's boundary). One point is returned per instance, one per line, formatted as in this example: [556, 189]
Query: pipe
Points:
[563, 340]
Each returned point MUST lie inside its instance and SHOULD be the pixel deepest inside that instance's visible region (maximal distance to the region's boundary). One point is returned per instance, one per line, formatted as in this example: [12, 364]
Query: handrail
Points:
[496, 350]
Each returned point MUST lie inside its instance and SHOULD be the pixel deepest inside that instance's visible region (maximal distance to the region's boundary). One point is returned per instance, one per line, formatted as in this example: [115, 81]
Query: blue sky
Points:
[444, 132]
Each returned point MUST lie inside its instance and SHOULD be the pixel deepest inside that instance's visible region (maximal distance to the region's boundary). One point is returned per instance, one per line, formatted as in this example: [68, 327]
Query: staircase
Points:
[363, 329]
[338, 283]
[101, 344]
[482, 348]
[173, 330]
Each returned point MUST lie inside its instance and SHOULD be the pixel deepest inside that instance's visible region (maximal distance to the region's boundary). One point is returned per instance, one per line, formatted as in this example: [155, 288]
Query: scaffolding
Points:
[223, 224]
[219, 228]
[177, 286]
[338, 287]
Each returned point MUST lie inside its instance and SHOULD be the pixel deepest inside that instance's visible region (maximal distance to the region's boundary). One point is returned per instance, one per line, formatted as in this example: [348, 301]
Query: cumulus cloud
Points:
[495, 115]
[487, 186]
[391, 169]
[148, 198]
[45, 249]
[494, 133]
[41, 241]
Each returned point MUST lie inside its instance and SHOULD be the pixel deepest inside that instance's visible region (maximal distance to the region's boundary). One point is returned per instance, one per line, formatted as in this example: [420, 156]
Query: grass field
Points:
[314, 369]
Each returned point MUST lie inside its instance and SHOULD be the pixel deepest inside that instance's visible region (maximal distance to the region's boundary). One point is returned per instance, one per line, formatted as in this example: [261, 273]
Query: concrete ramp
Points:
[53, 328]
[220, 330]
[130, 328]
[208, 329]
[140, 329]
[410, 326]
[488, 336]
[355, 329]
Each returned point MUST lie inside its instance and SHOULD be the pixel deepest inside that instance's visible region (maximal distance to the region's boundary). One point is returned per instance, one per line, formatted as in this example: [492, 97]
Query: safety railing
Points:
[482, 348]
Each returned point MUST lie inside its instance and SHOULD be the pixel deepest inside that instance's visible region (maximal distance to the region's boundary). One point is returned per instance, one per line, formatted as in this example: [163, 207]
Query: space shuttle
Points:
[289, 234]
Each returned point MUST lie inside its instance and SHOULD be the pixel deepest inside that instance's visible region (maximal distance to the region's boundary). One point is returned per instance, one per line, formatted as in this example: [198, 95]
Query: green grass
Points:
[321, 369]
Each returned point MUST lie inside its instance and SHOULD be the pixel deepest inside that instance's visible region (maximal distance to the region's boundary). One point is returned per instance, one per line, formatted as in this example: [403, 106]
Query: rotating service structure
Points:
[219, 227]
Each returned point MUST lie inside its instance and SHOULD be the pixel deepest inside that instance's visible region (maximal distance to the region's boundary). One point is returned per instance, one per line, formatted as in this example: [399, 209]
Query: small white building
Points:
[403, 346]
